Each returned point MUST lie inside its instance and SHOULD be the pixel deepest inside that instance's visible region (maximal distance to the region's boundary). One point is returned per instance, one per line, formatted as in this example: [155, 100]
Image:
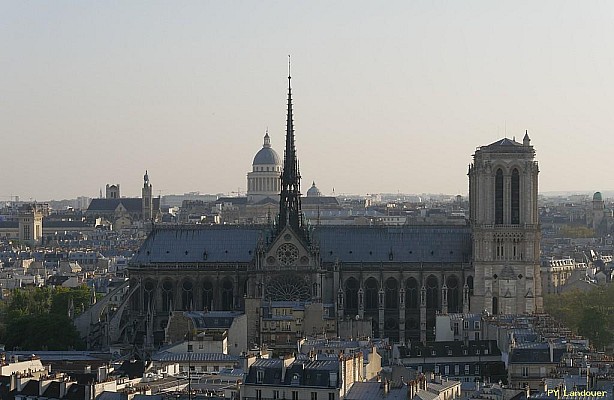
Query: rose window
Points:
[287, 254]
[288, 288]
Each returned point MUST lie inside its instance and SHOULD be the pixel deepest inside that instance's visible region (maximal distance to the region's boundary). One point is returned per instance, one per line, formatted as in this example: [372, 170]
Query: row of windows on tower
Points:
[514, 206]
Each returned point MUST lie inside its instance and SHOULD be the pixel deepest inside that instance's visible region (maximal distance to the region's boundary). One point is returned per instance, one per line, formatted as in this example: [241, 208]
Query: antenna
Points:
[289, 66]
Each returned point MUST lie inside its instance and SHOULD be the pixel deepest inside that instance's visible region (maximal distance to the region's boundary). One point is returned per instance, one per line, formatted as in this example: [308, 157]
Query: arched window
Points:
[453, 294]
[392, 293]
[351, 294]
[432, 289]
[495, 305]
[167, 295]
[207, 295]
[371, 289]
[499, 197]
[227, 296]
[515, 197]
[187, 295]
[148, 294]
[411, 293]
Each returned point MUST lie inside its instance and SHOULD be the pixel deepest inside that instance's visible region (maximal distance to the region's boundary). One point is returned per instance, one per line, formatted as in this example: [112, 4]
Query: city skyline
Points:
[387, 99]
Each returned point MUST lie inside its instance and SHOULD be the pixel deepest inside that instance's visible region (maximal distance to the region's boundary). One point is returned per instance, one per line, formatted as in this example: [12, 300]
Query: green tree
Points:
[37, 318]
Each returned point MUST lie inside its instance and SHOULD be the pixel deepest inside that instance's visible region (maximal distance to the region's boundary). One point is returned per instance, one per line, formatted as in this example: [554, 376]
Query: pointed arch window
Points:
[499, 197]
[371, 289]
[411, 293]
[392, 293]
[227, 295]
[515, 211]
[432, 289]
[351, 294]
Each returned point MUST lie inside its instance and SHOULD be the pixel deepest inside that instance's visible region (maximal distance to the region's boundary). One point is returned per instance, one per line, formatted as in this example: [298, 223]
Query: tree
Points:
[37, 318]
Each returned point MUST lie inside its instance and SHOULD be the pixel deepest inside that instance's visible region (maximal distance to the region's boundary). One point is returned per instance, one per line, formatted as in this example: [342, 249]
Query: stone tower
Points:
[112, 191]
[147, 198]
[505, 228]
[30, 224]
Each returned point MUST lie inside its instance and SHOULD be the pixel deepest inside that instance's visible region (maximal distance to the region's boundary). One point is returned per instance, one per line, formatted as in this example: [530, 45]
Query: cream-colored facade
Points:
[505, 227]
[263, 181]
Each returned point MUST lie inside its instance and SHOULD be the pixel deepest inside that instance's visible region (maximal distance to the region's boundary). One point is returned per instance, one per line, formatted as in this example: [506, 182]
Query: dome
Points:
[597, 196]
[314, 191]
[266, 155]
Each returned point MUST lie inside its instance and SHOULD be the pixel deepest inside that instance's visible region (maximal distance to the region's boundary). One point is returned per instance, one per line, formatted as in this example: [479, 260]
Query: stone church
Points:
[398, 278]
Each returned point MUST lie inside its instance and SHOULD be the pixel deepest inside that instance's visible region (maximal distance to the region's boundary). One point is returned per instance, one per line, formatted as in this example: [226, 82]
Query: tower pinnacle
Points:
[290, 197]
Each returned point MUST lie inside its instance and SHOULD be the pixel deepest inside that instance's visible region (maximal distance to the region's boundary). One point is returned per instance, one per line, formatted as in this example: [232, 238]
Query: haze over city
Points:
[387, 97]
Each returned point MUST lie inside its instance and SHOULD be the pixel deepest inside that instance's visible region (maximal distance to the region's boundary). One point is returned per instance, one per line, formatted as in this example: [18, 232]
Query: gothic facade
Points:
[398, 278]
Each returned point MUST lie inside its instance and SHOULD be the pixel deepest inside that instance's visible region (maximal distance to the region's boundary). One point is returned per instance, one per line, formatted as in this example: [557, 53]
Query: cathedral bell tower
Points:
[505, 228]
[147, 198]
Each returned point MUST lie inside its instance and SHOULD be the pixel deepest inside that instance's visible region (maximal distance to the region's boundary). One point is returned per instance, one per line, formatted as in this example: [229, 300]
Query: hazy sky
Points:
[389, 96]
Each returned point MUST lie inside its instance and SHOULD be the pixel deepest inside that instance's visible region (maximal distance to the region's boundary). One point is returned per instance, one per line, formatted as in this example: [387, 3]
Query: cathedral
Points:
[397, 278]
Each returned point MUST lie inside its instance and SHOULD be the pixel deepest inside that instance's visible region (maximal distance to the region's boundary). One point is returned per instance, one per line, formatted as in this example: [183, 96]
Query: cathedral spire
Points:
[290, 198]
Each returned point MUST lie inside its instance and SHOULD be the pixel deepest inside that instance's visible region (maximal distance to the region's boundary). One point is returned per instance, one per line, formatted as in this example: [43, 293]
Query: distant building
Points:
[123, 212]
[264, 179]
[30, 224]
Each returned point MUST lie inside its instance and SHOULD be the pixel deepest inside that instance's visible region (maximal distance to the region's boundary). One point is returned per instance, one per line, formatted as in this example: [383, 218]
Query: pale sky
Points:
[388, 96]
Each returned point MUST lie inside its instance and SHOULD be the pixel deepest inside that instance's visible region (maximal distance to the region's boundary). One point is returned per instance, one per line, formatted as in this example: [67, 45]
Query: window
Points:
[259, 376]
[258, 394]
[449, 352]
[456, 328]
[275, 394]
[314, 395]
[446, 370]
[294, 395]
[466, 369]
[515, 209]
[331, 396]
[476, 324]
[486, 351]
[525, 371]
[499, 197]
[476, 335]
[456, 369]
[477, 369]
[436, 369]
[466, 325]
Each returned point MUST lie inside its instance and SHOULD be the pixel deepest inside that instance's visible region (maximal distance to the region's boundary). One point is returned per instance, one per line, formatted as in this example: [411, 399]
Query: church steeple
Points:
[290, 214]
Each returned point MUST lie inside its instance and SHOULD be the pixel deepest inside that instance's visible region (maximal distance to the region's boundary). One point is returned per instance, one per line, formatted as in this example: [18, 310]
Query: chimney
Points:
[285, 363]
[62, 388]
[411, 389]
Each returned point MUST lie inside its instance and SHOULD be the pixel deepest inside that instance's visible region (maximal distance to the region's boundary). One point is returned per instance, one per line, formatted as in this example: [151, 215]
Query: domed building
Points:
[263, 181]
[314, 191]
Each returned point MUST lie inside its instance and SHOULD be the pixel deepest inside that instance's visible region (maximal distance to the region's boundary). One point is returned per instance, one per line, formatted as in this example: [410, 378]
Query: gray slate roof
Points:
[133, 205]
[199, 244]
[348, 244]
[398, 244]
